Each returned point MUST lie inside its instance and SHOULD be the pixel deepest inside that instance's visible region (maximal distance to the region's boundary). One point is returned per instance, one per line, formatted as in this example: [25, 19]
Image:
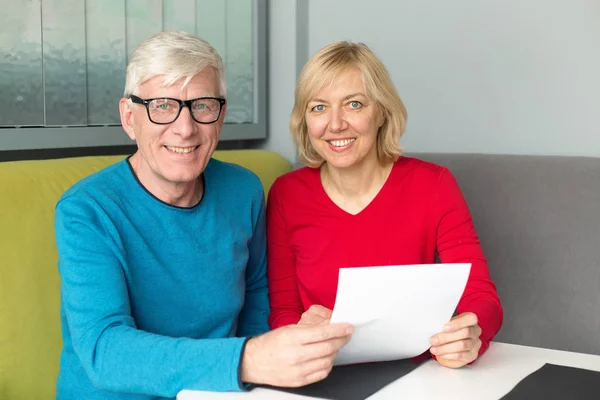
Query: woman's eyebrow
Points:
[354, 95]
[317, 100]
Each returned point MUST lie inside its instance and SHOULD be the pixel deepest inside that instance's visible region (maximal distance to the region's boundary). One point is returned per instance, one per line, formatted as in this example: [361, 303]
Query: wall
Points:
[516, 77]
[286, 56]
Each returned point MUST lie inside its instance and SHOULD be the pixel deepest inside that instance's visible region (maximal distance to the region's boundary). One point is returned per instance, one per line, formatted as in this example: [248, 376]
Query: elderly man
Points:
[162, 256]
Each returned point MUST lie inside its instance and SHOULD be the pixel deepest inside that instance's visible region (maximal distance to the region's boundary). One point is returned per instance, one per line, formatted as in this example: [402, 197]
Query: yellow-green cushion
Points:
[30, 341]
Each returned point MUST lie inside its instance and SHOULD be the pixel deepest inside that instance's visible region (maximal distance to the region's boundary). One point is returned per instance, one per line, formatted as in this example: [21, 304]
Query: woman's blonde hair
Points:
[321, 70]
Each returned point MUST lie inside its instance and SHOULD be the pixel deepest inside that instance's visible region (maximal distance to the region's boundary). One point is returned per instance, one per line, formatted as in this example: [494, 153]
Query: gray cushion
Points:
[538, 219]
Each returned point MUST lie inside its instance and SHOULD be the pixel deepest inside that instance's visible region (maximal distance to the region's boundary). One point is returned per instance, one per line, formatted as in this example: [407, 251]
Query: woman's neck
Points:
[353, 188]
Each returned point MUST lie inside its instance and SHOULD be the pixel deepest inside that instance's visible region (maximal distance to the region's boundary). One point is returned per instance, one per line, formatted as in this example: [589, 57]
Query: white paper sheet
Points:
[396, 309]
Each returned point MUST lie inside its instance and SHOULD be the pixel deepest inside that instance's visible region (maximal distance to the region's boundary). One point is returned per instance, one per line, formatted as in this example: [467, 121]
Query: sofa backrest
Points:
[30, 340]
[538, 220]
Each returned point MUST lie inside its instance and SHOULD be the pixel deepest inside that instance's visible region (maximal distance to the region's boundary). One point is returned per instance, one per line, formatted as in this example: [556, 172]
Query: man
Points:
[162, 256]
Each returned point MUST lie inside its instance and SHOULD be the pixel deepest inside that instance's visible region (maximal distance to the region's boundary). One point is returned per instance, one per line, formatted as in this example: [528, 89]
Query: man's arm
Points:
[114, 353]
[255, 313]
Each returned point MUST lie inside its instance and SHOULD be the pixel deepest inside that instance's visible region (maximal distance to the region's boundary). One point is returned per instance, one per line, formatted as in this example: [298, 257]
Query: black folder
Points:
[557, 382]
[355, 382]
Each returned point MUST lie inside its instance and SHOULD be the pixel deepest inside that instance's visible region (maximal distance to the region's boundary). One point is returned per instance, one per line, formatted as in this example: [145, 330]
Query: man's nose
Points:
[184, 124]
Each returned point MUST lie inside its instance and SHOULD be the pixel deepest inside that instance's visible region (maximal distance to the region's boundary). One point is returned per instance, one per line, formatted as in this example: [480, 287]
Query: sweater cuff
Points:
[489, 317]
[243, 385]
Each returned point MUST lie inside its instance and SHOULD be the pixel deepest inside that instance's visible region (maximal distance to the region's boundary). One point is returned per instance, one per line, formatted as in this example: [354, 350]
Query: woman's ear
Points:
[127, 117]
[380, 116]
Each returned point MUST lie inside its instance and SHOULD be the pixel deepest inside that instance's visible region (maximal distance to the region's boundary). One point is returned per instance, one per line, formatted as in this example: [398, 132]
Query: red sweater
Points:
[419, 211]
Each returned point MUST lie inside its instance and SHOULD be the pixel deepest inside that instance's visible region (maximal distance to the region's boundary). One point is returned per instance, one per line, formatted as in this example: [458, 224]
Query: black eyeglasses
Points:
[165, 110]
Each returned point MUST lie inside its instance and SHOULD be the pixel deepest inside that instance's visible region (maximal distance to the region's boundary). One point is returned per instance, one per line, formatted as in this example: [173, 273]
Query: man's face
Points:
[174, 154]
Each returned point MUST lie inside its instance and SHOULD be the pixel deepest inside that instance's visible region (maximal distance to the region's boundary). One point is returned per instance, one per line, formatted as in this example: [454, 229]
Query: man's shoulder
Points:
[233, 176]
[100, 181]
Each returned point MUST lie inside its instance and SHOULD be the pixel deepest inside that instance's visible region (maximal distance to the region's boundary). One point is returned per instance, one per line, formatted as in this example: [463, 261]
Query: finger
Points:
[322, 332]
[313, 377]
[317, 376]
[461, 321]
[311, 319]
[451, 363]
[454, 347]
[328, 348]
[321, 311]
[318, 364]
[449, 337]
[463, 357]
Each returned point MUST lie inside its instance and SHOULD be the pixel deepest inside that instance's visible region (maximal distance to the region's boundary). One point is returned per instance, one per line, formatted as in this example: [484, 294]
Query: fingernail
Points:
[434, 341]
[447, 327]
[349, 329]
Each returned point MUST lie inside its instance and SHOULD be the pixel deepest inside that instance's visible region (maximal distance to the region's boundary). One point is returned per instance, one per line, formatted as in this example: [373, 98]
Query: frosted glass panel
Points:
[21, 92]
[179, 15]
[62, 62]
[106, 60]
[210, 24]
[63, 27]
[239, 61]
[143, 19]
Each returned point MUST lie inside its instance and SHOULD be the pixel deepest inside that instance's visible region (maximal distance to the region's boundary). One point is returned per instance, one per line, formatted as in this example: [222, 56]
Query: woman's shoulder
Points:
[424, 169]
[303, 177]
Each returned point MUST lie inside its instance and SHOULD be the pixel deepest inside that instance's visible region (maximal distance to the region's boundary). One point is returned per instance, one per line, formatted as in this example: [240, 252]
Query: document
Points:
[396, 309]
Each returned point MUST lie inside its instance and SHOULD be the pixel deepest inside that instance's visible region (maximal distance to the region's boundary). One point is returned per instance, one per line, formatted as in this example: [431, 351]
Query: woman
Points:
[360, 203]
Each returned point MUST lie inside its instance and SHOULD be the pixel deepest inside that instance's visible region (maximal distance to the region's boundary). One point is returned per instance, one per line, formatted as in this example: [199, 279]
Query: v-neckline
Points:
[339, 209]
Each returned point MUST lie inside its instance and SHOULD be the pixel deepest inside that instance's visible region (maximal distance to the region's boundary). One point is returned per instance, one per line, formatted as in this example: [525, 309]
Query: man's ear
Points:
[127, 117]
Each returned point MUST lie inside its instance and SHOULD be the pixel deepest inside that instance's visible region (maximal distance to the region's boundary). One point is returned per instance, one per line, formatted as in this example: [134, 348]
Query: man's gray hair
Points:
[175, 55]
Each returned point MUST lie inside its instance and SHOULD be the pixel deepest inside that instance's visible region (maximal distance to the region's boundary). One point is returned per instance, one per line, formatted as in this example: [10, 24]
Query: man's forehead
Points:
[163, 85]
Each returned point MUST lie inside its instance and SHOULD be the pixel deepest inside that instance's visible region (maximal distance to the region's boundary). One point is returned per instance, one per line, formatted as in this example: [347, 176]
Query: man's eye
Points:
[199, 106]
[355, 104]
[163, 106]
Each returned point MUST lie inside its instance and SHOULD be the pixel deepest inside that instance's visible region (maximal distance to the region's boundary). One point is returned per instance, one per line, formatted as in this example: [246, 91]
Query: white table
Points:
[496, 373]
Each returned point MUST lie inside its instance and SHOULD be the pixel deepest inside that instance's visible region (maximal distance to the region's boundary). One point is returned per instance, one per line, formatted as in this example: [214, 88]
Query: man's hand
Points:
[294, 355]
[459, 343]
[315, 315]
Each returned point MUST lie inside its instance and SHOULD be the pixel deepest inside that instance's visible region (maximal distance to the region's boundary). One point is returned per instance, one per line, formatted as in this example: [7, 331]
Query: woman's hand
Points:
[459, 343]
[315, 315]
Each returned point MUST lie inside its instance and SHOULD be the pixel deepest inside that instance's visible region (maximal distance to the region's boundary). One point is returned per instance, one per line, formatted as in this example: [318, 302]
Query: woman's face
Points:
[343, 122]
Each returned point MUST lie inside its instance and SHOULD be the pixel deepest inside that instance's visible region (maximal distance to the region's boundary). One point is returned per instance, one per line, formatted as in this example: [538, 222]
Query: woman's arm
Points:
[457, 242]
[285, 302]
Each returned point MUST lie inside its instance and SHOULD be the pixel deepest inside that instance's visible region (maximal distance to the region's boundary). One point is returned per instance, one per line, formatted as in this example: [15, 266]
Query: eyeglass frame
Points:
[187, 103]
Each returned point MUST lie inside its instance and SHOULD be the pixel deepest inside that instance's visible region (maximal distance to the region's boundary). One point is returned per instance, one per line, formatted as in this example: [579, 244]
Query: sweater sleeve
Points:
[115, 354]
[284, 297]
[255, 313]
[457, 242]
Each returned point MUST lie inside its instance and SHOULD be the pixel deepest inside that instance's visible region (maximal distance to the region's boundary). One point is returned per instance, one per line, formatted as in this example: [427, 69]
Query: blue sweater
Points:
[157, 298]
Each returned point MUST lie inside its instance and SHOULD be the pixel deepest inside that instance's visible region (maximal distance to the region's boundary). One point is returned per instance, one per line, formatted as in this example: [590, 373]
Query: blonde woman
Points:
[359, 202]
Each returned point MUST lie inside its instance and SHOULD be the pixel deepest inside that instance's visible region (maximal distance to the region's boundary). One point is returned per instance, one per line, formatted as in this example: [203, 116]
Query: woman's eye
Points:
[319, 107]
[355, 104]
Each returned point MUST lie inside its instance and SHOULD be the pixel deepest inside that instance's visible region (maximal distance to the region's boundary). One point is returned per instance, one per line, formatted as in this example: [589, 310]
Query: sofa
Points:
[538, 220]
[30, 340]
